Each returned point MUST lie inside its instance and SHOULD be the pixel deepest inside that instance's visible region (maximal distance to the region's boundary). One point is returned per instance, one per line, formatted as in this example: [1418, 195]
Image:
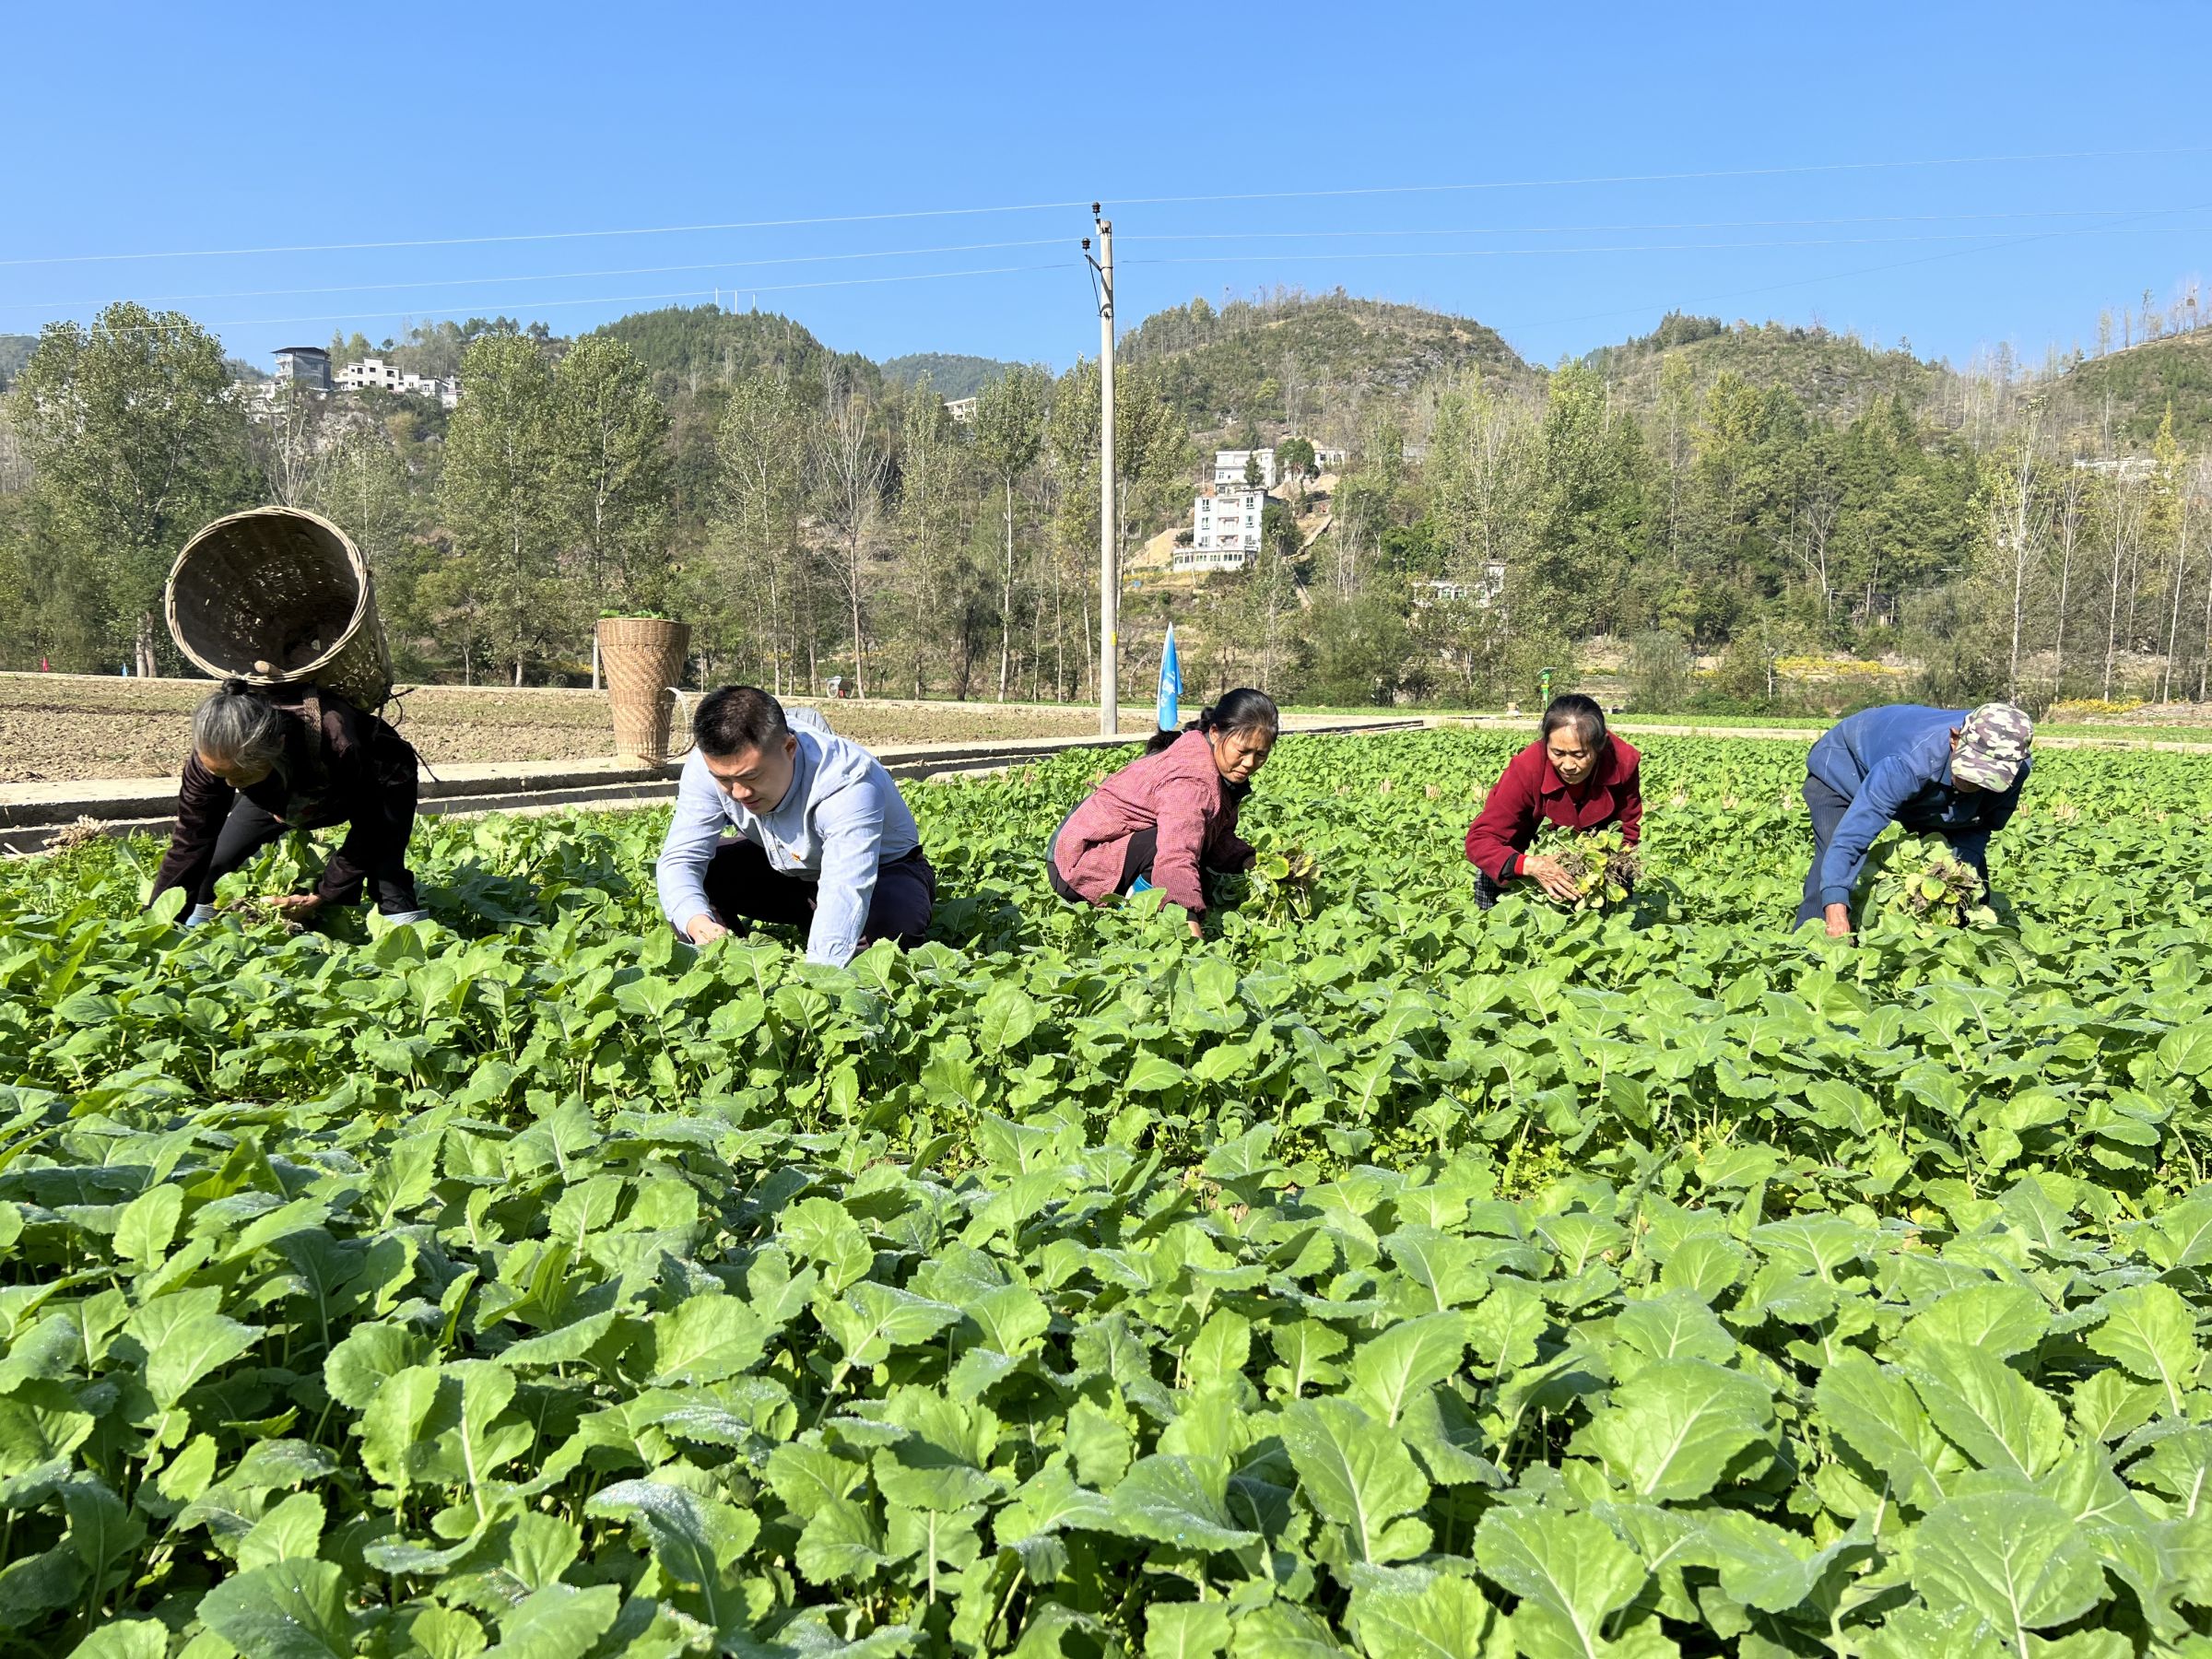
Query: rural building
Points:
[1229, 466]
[304, 366]
[961, 409]
[1482, 592]
[375, 375]
[1225, 528]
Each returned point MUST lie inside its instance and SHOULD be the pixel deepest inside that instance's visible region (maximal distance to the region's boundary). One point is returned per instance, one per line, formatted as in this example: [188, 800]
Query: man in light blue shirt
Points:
[1937, 771]
[822, 839]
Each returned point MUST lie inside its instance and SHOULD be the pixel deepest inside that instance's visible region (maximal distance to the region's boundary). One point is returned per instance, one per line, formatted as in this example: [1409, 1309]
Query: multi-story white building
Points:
[304, 366]
[375, 375]
[1225, 528]
[961, 409]
[1229, 466]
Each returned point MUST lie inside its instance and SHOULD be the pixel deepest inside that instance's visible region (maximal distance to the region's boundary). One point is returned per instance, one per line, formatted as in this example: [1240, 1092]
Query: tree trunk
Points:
[1006, 599]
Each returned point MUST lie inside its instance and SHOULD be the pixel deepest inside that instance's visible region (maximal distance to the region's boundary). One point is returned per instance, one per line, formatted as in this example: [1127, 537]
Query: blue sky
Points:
[206, 130]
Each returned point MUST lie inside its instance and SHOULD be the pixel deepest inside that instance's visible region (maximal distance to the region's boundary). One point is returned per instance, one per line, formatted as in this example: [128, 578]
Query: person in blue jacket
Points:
[1937, 771]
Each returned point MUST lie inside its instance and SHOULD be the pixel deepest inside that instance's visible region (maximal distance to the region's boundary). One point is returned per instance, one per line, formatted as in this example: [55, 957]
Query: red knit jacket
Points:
[1530, 792]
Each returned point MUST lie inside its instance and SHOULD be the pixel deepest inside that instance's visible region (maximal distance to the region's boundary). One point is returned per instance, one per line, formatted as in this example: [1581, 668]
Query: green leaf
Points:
[147, 1224]
[557, 1622]
[1186, 1630]
[1359, 1474]
[706, 1339]
[872, 1320]
[1390, 1369]
[288, 1531]
[1987, 1409]
[696, 1541]
[841, 1541]
[2150, 1330]
[290, 1609]
[1569, 1571]
[1179, 1501]
[1672, 1430]
[2014, 1559]
[124, 1639]
[193, 1350]
[1446, 1620]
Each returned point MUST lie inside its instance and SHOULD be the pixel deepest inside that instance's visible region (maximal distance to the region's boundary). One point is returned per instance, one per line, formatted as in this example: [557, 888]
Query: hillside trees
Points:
[1010, 436]
[611, 467]
[135, 438]
[502, 505]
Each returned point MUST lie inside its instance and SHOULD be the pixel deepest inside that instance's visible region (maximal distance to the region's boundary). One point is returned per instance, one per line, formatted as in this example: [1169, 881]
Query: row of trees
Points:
[812, 519]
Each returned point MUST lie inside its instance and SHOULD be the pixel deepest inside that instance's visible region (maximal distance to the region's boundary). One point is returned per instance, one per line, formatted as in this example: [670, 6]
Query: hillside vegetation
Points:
[1833, 375]
[14, 351]
[685, 346]
[2132, 389]
[950, 373]
[1286, 359]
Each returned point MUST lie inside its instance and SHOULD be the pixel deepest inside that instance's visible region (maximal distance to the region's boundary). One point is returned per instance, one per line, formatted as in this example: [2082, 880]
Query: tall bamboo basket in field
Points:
[275, 596]
[643, 659]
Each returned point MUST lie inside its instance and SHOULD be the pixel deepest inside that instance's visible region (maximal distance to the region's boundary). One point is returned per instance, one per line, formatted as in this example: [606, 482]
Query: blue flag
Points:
[1170, 682]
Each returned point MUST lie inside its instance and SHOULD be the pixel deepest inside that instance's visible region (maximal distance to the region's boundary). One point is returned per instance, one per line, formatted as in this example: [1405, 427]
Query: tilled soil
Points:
[65, 727]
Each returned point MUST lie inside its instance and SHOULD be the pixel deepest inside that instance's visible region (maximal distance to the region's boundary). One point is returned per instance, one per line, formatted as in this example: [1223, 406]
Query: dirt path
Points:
[67, 727]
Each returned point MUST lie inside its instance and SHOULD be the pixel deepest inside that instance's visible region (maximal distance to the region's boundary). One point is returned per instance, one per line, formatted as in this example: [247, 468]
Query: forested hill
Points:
[1290, 359]
[1835, 375]
[950, 373]
[2131, 389]
[685, 348]
[14, 351]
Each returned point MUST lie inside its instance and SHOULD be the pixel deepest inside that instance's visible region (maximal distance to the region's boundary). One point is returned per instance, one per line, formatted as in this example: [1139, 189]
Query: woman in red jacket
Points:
[1578, 775]
[1170, 814]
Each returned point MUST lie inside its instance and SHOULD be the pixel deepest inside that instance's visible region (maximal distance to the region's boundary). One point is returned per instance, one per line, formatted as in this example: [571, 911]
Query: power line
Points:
[1898, 264]
[1665, 178]
[1793, 169]
[485, 305]
[378, 287]
[1986, 237]
[1863, 219]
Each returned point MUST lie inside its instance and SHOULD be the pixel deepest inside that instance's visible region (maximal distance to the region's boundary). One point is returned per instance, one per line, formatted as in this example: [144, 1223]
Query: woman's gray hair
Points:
[237, 727]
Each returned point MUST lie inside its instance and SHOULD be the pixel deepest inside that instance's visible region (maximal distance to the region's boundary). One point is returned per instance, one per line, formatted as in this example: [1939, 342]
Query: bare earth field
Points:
[63, 727]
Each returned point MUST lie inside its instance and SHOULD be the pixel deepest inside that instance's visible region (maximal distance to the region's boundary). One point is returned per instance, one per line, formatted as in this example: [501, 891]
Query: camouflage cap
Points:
[1992, 744]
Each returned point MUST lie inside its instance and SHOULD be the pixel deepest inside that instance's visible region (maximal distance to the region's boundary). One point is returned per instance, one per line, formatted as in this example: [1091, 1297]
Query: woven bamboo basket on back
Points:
[275, 596]
[643, 657]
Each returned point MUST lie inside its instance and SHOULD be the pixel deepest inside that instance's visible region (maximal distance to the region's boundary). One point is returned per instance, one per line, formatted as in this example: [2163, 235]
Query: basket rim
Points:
[364, 596]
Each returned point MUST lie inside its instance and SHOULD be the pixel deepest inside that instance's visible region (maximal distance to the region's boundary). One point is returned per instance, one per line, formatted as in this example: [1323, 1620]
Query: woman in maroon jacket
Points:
[293, 758]
[1578, 775]
[1170, 814]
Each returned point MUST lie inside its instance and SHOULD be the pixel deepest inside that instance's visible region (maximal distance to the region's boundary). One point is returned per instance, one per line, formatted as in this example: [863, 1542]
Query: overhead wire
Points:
[718, 264]
[1688, 175]
[484, 305]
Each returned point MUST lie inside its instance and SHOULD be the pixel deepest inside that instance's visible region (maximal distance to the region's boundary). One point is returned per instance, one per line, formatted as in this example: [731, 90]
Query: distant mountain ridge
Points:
[950, 373]
[2129, 390]
[14, 351]
[1290, 358]
[1835, 375]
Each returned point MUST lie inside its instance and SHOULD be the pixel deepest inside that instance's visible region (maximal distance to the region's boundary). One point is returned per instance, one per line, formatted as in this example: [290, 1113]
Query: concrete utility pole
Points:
[1110, 576]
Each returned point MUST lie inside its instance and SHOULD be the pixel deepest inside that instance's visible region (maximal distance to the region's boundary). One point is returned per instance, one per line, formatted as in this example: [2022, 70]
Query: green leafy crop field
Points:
[1374, 1275]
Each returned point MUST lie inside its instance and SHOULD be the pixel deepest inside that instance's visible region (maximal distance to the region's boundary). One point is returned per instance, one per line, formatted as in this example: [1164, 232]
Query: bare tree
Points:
[2018, 536]
[853, 466]
[2124, 515]
[2068, 517]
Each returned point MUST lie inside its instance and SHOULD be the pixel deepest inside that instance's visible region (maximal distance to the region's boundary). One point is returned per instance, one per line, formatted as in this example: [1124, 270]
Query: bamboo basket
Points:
[276, 595]
[642, 658]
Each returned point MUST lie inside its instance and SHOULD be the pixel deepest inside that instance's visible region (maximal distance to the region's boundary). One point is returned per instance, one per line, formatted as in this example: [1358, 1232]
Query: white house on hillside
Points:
[1229, 466]
[374, 373]
[1225, 528]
